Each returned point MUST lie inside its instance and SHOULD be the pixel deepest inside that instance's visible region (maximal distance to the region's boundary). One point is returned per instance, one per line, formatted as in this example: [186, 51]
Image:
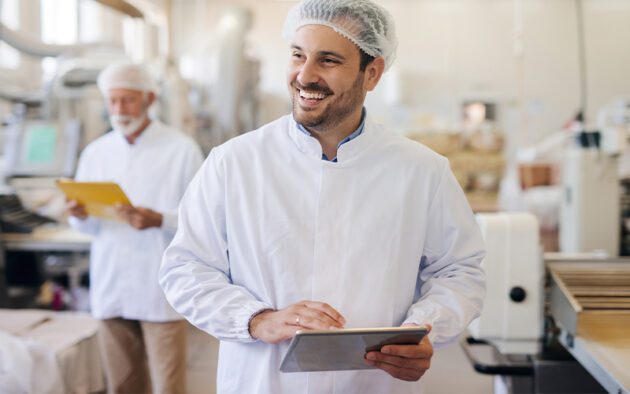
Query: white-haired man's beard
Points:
[126, 125]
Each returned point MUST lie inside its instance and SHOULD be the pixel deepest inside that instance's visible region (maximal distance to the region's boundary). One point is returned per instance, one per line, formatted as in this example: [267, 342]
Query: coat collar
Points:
[146, 137]
[346, 153]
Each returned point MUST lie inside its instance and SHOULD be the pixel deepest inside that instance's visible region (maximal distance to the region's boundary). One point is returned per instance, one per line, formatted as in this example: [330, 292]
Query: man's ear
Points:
[150, 99]
[373, 73]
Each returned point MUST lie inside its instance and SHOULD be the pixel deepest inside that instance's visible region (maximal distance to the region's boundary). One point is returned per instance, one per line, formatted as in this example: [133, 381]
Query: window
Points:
[9, 56]
[59, 21]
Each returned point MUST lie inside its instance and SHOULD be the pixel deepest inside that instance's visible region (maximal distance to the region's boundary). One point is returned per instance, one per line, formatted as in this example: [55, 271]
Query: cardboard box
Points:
[536, 175]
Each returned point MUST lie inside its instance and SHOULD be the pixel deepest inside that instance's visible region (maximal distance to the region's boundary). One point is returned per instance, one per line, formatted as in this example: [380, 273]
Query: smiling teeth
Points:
[311, 96]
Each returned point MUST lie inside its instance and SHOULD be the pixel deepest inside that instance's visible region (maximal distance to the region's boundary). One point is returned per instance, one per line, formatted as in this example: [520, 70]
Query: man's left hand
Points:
[405, 362]
[140, 218]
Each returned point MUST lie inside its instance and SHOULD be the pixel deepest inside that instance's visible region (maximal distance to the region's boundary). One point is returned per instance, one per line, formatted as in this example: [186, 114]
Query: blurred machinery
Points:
[514, 323]
[592, 169]
[41, 138]
[225, 80]
[615, 120]
[68, 104]
[554, 323]
[46, 130]
[571, 181]
[589, 214]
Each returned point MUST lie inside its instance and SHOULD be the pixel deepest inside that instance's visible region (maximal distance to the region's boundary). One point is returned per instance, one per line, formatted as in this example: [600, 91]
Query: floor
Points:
[450, 371]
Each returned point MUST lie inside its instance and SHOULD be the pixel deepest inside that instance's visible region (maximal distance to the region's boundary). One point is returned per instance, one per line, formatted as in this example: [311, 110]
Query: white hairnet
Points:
[363, 22]
[126, 76]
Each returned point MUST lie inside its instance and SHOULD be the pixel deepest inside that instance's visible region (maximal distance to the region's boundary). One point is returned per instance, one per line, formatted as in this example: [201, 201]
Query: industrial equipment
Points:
[590, 301]
[225, 80]
[590, 205]
[563, 331]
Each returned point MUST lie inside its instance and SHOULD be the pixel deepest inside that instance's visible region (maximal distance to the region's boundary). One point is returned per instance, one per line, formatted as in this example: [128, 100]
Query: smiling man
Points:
[323, 219]
[328, 84]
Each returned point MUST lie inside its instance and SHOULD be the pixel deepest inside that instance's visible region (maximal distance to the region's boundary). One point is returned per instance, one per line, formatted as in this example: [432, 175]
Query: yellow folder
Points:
[99, 198]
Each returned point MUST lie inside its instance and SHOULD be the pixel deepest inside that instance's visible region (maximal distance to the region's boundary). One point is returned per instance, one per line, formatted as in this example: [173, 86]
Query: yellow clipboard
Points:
[99, 198]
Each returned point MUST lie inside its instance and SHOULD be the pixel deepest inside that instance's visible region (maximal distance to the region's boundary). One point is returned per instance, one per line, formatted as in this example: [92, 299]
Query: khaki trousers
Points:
[139, 355]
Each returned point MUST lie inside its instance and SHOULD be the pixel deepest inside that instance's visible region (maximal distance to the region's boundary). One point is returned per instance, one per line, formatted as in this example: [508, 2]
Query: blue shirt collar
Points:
[352, 136]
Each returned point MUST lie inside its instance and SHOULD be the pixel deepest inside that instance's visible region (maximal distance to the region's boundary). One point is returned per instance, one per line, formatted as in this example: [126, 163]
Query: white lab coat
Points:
[124, 262]
[385, 236]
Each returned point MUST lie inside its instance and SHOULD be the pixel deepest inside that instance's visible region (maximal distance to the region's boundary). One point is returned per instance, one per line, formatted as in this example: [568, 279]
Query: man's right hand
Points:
[76, 209]
[278, 326]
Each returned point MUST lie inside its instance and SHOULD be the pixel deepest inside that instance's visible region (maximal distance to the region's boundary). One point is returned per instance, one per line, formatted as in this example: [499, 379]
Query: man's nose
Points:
[116, 108]
[308, 74]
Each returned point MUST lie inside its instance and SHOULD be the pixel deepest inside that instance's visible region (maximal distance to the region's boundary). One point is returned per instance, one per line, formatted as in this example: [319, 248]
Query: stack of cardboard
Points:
[476, 160]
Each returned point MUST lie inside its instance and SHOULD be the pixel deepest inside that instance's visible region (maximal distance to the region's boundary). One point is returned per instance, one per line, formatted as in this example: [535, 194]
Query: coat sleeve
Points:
[195, 271]
[85, 171]
[451, 282]
[192, 162]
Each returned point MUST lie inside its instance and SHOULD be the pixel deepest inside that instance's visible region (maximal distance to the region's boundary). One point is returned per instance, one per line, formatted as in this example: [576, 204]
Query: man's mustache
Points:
[312, 87]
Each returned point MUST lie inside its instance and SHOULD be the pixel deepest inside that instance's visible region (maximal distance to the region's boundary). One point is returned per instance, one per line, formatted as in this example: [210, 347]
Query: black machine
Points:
[14, 218]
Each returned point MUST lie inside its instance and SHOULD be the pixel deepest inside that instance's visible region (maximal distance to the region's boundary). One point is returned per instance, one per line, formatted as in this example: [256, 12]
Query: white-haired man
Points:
[153, 164]
[322, 220]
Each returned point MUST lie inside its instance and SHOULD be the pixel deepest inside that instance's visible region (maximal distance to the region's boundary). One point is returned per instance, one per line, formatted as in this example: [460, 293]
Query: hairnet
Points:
[126, 76]
[363, 22]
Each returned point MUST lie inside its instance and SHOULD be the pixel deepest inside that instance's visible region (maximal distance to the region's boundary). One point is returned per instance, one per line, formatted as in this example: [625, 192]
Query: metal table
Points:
[47, 239]
[590, 301]
[53, 239]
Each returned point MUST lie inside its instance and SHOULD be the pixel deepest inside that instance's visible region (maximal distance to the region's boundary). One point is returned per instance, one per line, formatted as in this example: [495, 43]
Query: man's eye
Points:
[330, 61]
[296, 55]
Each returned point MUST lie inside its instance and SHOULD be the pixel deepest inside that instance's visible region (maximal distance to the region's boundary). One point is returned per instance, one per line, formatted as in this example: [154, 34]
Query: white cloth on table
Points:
[49, 352]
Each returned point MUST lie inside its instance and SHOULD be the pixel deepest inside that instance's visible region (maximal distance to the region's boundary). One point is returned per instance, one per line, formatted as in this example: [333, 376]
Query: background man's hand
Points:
[277, 326]
[76, 209]
[138, 217]
[405, 362]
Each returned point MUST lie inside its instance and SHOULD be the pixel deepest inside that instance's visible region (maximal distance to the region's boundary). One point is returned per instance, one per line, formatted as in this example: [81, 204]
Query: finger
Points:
[74, 205]
[327, 309]
[427, 326]
[79, 212]
[79, 215]
[128, 213]
[403, 362]
[406, 374]
[136, 221]
[124, 207]
[312, 320]
[315, 319]
[143, 213]
[285, 333]
[124, 216]
[421, 350]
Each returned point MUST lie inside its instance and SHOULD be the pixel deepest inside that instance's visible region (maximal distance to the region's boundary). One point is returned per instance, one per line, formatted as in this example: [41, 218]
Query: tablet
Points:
[342, 350]
[100, 198]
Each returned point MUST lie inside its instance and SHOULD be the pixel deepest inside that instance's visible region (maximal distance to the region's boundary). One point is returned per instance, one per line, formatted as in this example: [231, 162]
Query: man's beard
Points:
[119, 123]
[334, 112]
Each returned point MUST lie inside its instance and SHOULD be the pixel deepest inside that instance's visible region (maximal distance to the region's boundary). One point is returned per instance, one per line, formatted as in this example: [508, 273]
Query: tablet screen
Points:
[340, 350]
